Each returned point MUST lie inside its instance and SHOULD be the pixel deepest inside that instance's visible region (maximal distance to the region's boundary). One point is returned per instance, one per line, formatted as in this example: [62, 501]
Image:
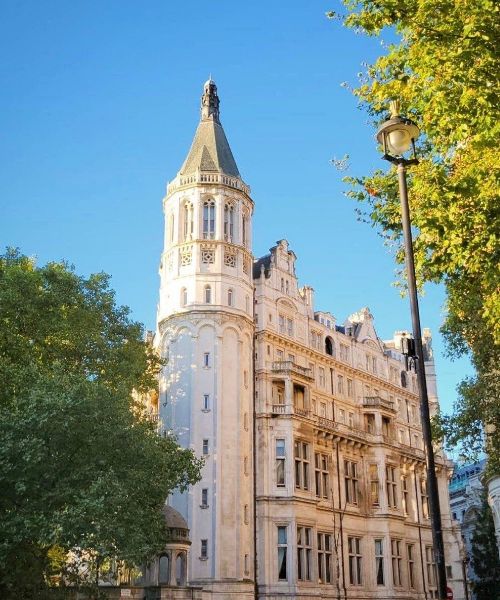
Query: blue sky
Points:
[99, 104]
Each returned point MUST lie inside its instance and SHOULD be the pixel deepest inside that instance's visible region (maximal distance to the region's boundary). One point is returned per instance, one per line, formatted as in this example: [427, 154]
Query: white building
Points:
[314, 482]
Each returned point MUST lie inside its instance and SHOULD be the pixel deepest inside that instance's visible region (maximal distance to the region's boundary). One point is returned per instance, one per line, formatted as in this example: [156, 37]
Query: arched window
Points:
[171, 226]
[329, 346]
[404, 379]
[208, 294]
[209, 219]
[180, 569]
[229, 297]
[184, 296]
[229, 222]
[244, 230]
[164, 569]
[188, 221]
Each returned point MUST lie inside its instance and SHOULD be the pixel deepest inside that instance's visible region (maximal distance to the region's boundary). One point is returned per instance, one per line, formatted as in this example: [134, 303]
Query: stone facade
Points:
[314, 481]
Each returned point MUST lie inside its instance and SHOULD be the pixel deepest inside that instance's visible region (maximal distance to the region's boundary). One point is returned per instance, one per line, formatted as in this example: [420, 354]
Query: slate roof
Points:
[210, 151]
[257, 265]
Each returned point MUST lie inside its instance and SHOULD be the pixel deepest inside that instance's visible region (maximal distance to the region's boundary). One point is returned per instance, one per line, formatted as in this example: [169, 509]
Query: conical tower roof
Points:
[210, 149]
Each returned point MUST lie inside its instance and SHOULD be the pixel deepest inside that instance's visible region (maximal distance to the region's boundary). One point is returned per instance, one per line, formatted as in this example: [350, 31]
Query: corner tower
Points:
[205, 334]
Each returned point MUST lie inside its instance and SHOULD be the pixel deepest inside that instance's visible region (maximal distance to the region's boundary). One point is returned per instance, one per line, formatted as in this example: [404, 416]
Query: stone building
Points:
[314, 482]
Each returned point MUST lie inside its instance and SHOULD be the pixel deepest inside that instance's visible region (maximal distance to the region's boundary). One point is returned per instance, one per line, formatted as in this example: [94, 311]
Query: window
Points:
[322, 409]
[230, 297]
[329, 346]
[301, 451]
[281, 324]
[341, 415]
[206, 359]
[430, 566]
[188, 221]
[204, 549]
[397, 560]
[205, 446]
[351, 481]
[289, 327]
[228, 222]
[321, 374]
[208, 295]
[404, 379]
[244, 230]
[171, 227]
[390, 478]
[184, 296]
[374, 486]
[246, 514]
[424, 497]
[206, 401]
[324, 558]
[379, 562]
[405, 494]
[204, 498]
[209, 220]
[304, 549]
[282, 551]
[321, 475]
[349, 388]
[410, 555]
[340, 385]
[354, 551]
[344, 352]
[374, 365]
[350, 419]
[287, 287]
[370, 423]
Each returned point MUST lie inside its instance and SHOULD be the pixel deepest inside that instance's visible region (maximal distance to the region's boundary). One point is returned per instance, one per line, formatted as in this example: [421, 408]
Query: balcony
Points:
[343, 430]
[284, 409]
[378, 402]
[288, 367]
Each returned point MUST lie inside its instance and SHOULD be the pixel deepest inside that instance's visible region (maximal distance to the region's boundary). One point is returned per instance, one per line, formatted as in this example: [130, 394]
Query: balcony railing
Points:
[289, 367]
[342, 429]
[378, 402]
[279, 409]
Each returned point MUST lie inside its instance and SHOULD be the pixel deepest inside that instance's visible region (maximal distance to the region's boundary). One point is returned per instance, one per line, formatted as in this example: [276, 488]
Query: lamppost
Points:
[397, 135]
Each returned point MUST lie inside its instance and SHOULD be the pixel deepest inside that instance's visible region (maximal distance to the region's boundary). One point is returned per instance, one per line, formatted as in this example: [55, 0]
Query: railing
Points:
[303, 412]
[327, 423]
[341, 428]
[200, 177]
[378, 402]
[288, 366]
[279, 409]
[412, 450]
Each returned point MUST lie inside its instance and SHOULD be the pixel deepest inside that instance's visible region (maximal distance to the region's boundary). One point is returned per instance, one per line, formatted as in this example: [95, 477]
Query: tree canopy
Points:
[443, 68]
[81, 469]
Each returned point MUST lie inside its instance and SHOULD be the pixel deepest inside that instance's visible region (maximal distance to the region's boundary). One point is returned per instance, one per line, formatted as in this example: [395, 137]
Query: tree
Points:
[443, 69]
[81, 470]
[484, 555]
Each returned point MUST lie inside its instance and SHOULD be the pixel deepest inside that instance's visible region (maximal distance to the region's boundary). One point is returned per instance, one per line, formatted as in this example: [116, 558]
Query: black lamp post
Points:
[397, 135]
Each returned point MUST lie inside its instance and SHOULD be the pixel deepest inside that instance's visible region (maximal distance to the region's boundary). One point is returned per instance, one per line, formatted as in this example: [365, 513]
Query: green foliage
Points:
[484, 559]
[444, 70]
[80, 470]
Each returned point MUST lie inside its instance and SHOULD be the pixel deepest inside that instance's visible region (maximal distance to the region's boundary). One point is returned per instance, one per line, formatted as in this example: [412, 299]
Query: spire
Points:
[210, 101]
[210, 149]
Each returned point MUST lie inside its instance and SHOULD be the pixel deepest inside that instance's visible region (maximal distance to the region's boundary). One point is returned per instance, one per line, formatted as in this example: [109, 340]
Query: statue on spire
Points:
[210, 102]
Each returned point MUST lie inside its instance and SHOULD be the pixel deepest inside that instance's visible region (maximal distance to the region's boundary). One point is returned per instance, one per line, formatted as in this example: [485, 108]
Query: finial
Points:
[210, 101]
